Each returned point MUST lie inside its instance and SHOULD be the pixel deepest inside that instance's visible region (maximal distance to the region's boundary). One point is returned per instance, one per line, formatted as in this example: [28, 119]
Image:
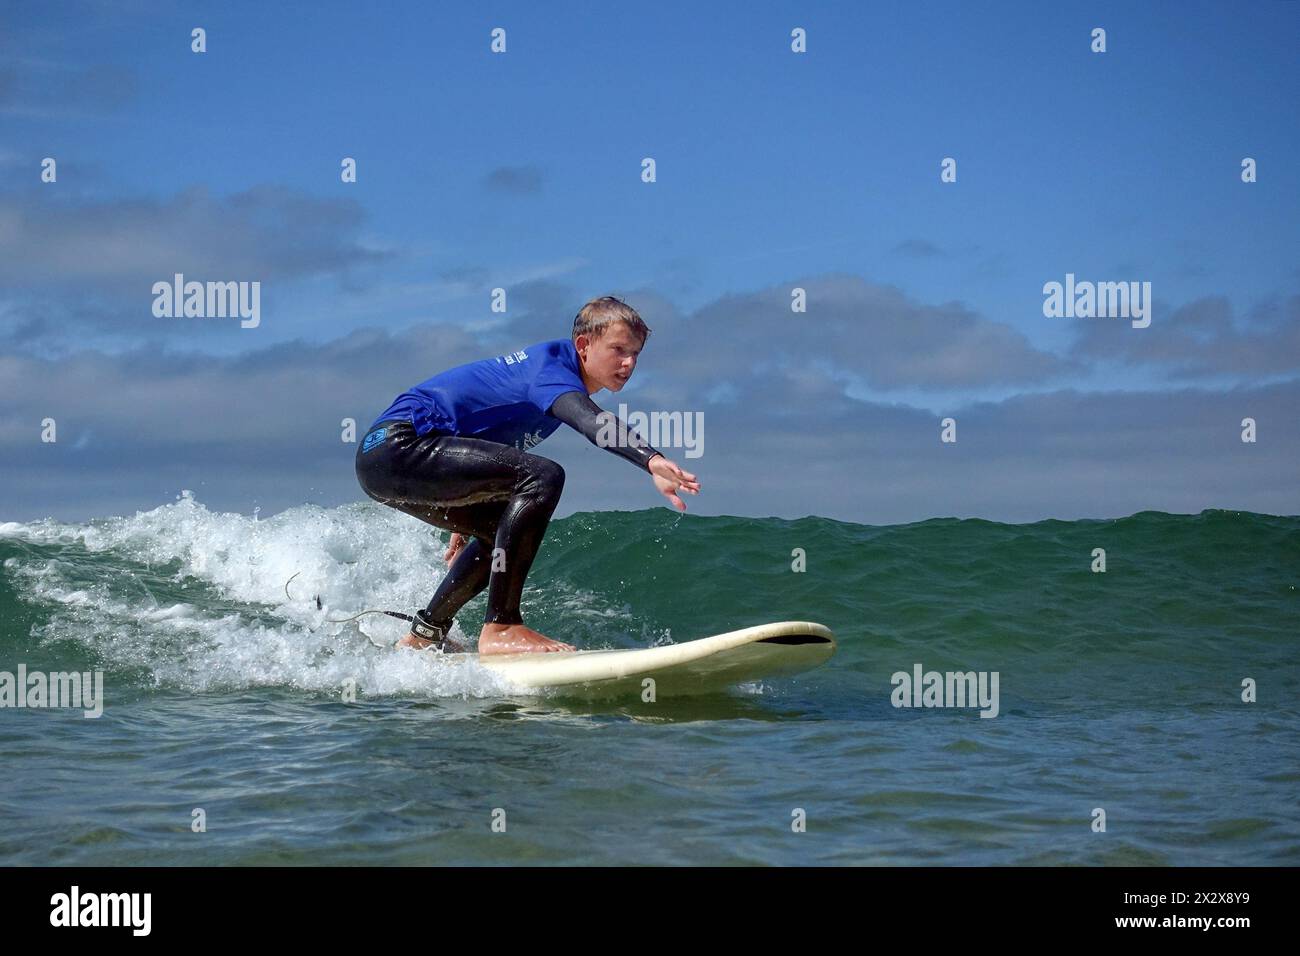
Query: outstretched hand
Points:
[670, 479]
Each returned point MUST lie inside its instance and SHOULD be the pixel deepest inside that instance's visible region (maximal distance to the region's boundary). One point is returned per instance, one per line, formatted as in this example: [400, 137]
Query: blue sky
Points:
[774, 169]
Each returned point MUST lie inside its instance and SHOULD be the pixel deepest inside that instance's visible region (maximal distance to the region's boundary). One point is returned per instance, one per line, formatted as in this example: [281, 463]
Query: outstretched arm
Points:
[606, 430]
[603, 429]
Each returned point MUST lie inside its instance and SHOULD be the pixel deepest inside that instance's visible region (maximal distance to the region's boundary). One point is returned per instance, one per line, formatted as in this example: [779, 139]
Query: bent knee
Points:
[548, 476]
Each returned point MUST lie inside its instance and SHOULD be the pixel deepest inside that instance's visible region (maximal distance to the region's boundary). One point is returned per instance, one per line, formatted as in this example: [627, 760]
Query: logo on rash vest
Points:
[373, 439]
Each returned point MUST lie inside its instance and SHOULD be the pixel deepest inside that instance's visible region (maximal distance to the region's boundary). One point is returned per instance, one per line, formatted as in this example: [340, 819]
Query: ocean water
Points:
[223, 693]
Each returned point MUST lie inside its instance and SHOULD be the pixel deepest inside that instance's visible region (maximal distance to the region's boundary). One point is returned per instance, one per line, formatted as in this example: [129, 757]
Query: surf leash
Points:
[347, 620]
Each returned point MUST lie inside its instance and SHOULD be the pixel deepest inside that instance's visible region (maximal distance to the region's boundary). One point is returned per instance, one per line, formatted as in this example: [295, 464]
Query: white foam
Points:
[241, 630]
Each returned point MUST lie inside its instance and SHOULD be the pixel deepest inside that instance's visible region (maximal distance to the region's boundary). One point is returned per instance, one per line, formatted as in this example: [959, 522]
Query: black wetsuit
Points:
[496, 495]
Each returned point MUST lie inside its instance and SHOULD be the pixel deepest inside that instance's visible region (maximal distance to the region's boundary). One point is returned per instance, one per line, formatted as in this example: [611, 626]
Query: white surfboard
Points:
[707, 665]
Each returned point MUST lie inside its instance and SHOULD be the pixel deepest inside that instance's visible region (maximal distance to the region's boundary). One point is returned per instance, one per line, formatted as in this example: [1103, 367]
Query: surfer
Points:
[453, 451]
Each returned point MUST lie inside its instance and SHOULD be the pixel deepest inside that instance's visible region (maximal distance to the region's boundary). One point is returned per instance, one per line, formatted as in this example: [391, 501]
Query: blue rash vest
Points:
[502, 399]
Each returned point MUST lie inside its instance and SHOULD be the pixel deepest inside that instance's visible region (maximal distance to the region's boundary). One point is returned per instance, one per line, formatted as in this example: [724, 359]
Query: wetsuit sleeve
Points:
[579, 412]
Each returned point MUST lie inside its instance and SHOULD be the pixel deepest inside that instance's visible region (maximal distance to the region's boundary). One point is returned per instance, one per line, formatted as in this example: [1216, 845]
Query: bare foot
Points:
[516, 639]
[419, 643]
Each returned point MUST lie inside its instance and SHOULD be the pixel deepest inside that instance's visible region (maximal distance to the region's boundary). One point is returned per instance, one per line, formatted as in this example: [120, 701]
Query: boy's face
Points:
[608, 361]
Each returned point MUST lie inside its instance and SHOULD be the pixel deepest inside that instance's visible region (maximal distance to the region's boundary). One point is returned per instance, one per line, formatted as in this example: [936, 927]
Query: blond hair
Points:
[598, 314]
